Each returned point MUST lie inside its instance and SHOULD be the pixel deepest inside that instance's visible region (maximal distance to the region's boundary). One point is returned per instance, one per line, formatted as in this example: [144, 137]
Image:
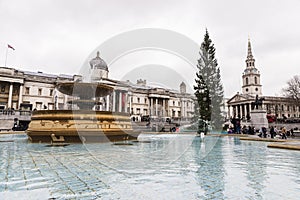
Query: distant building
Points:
[240, 104]
[141, 100]
[24, 90]
[29, 90]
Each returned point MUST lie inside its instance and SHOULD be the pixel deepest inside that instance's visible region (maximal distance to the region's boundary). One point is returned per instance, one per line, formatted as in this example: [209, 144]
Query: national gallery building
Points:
[26, 91]
[240, 104]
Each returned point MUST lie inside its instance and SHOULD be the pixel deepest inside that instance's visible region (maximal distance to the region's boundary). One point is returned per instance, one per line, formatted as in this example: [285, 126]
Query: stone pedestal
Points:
[259, 119]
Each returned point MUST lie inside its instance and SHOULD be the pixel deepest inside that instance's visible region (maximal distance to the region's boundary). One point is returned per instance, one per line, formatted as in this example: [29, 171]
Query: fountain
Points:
[83, 124]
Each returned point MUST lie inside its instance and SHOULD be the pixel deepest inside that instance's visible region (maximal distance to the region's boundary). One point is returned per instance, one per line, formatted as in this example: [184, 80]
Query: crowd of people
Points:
[263, 132]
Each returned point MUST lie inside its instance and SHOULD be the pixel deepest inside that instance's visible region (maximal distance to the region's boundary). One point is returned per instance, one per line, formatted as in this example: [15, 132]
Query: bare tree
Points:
[293, 89]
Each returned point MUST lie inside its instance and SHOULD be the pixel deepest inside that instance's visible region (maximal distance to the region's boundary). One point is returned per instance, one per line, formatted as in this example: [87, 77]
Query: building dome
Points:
[98, 63]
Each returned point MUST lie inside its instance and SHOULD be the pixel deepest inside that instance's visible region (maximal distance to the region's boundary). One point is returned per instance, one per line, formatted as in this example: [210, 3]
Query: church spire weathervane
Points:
[250, 59]
[249, 49]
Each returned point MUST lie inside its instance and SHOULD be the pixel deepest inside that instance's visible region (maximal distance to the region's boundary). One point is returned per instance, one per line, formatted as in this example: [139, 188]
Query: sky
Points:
[58, 36]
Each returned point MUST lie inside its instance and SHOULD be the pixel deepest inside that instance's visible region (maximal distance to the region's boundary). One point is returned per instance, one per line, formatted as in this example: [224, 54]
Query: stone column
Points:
[126, 103]
[243, 111]
[238, 110]
[168, 111]
[114, 102]
[249, 109]
[20, 96]
[120, 101]
[181, 109]
[10, 95]
[107, 103]
[163, 110]
[156, 107]
[151, 106]
[130, 104]
[65, 101]
[234, 111]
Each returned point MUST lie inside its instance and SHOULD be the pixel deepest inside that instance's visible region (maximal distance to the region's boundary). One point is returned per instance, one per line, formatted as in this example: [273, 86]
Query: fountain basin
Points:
[80, 126]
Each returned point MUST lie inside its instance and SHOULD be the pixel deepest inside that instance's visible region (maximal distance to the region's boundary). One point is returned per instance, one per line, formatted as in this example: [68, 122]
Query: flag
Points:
[10, 47]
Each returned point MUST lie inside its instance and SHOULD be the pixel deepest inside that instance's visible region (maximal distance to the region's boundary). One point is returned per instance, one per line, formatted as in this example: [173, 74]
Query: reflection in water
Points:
[210, 175]
[254, 166]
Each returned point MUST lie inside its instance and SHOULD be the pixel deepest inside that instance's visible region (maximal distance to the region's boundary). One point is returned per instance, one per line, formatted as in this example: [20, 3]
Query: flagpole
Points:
[6, 56]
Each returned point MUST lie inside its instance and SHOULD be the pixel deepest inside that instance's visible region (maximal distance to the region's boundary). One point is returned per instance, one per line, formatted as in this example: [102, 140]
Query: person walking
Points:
[272, 131]
[283, 132]
[275, 131]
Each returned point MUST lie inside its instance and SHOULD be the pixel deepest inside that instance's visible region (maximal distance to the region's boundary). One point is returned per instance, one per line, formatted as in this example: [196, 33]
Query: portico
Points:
[11, 92]
[159, 105]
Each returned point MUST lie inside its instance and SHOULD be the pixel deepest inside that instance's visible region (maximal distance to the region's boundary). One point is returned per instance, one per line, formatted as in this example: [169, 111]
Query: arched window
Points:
[255, 80]
[247, 81]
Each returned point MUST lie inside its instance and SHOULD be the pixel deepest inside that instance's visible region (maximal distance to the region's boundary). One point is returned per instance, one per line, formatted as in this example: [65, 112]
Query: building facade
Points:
[141, 100]
[240, 104]
[23, 90]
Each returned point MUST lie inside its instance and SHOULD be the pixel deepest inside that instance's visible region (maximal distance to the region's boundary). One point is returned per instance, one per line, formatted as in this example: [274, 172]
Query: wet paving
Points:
[161, 167]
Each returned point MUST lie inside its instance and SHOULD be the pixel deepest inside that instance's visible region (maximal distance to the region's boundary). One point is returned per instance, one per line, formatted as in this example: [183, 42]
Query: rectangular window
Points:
[51, 92]
[50, 106]
[27, 90]
[173, 113]
[40, 92]
[138, 111]
[38, 105]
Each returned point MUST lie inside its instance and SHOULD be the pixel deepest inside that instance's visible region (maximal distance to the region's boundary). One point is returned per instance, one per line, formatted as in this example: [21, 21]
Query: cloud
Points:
[57, 36]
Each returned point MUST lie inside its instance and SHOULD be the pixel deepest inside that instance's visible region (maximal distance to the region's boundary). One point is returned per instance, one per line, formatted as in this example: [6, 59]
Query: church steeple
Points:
[250, 59]
[251, 76]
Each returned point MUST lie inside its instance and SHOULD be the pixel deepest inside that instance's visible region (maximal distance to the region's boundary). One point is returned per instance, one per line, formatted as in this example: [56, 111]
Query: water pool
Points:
[159, 167]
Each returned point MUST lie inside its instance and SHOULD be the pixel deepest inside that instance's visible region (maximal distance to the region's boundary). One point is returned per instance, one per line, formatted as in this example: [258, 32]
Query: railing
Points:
[12, 114]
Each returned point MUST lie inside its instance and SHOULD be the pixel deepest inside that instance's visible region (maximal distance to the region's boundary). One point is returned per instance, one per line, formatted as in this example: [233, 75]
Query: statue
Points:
[257, 103]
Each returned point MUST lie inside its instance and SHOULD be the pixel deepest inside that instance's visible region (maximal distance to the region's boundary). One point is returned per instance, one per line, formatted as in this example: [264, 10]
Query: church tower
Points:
[251, 76]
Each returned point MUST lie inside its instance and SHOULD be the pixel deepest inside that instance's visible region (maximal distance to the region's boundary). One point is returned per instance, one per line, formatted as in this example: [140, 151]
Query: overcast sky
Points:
[56, 36]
